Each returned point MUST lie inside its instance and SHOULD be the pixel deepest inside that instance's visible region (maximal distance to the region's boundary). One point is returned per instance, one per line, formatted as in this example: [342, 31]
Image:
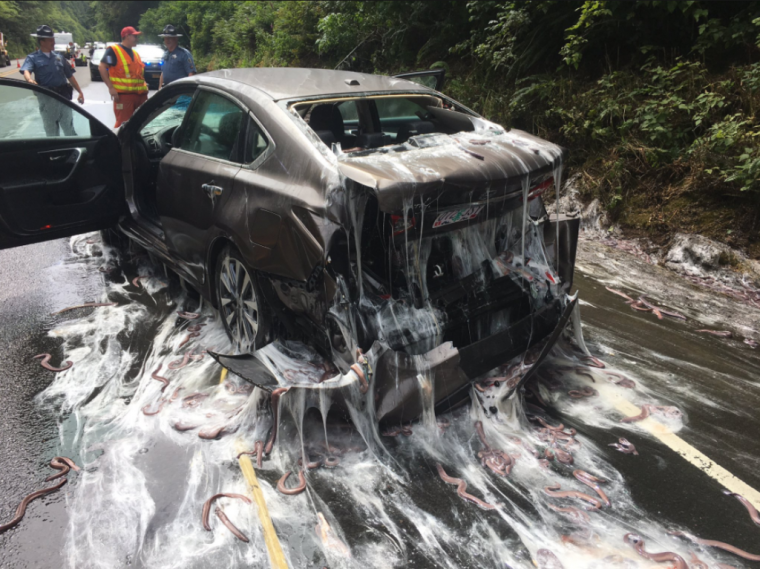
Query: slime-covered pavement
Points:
[150, 460]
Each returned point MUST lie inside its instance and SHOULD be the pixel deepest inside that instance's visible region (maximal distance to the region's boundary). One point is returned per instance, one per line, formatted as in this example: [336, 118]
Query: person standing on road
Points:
[178, 62]
[52, 72]
[122, 71]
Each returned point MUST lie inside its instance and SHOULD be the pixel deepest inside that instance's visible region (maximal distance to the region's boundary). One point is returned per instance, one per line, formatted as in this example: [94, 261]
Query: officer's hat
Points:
[169, 32]
[44, 32]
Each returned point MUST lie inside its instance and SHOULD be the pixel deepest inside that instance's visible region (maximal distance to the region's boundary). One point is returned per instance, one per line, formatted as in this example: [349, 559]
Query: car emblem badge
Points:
[457, 215]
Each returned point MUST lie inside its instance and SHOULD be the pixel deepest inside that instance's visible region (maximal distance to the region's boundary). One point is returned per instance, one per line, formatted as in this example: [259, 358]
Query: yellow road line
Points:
[276, 556]
[691, 454]
[7, 73]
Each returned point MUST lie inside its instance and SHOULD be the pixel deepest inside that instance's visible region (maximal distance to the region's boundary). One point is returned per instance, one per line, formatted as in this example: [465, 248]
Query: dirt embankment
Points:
[698, 258]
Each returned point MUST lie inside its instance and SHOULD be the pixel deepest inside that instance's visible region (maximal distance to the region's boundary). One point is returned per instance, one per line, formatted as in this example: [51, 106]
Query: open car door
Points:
[433, 78]
[60, 168]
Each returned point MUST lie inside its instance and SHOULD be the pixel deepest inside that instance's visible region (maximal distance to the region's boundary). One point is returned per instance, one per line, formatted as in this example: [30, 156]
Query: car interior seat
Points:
[327, 122]
[410, 129]
[229, 131]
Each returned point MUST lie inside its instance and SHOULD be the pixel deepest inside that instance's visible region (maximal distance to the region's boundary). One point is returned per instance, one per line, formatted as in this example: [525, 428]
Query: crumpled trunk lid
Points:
[451, 169]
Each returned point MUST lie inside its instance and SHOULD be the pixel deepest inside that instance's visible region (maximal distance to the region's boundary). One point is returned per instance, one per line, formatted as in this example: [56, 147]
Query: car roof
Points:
[297, 83]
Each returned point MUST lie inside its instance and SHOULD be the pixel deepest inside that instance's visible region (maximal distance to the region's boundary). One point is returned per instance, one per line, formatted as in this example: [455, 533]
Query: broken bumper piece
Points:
[398, 395]
[398, 391]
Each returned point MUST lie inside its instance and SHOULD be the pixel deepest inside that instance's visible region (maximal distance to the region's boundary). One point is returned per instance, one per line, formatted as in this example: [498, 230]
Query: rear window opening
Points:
[373, 122]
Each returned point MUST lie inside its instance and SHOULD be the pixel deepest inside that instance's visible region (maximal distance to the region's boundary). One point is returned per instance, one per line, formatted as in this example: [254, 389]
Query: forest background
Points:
[657, 101]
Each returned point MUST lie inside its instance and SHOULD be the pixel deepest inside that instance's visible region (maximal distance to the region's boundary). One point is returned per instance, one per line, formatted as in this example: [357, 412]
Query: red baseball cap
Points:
[129, 31]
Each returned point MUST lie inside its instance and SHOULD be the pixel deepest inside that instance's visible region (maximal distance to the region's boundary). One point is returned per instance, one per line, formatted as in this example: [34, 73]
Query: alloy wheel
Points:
[239, 303]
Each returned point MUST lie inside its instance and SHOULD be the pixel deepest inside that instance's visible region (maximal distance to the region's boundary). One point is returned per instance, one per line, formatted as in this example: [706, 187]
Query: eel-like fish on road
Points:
[275, 404]
[592, 482]
[230, 526]
[719, 544]
[638, 545]
[719, 333]
[462, 489]
[258, 452]
[555, 491]
[62, 463]
[207, 506]
[753, 514]
[21, 509]
[625, 446]
[157, 377]
[46, 358]
[295, 489]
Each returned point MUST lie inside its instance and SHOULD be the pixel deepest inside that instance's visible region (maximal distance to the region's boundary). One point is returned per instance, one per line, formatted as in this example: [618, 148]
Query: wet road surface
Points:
[141, 473]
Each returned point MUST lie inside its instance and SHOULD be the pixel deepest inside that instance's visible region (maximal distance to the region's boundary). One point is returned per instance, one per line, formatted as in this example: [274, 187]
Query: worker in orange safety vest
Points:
[122, 71]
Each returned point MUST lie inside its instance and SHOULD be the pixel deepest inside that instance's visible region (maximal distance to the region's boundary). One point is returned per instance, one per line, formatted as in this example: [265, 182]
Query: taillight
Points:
[398, 226]
[540, 189]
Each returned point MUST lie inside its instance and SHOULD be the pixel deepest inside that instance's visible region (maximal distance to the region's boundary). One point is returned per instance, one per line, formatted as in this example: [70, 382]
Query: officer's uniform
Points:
[177, 64]
[52, 71]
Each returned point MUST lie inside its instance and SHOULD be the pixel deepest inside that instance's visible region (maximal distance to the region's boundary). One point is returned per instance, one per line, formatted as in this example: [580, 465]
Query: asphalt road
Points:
[714, 381]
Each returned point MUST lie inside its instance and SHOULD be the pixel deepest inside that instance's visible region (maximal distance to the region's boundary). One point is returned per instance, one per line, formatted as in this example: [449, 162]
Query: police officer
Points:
[51, 71]
[178, 62]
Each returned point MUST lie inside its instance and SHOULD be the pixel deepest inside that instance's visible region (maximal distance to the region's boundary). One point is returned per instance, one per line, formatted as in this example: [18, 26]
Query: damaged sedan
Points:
[370, 229]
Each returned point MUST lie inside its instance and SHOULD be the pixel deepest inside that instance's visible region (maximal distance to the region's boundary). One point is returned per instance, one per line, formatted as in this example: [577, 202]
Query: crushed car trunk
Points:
[452, 273]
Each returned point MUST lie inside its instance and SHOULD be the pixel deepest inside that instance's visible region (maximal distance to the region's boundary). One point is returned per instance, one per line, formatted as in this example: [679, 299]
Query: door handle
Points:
[212, 191]
[73, 156]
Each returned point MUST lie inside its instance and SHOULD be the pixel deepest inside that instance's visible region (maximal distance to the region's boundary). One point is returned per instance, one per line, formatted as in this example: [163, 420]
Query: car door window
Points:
[35, 114]
[213, 128]
[256, 142]
[169, 115]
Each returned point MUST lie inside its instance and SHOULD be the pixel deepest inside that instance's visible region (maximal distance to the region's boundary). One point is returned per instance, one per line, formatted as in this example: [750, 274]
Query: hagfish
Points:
[157, 377]
[592, 482]
[646, 410]
[230, 526]
[46, 358]
[619, 293]
[62, 463]
[21, 509]
[462, 489]
[719, 333]
[625, 446]
[556, 492]
[188, 337]
[295, 489]
[275, 404]
[188, 315]
[583, 392]
[207, 506]
[258, 452]
[638, 545]
[753, 514]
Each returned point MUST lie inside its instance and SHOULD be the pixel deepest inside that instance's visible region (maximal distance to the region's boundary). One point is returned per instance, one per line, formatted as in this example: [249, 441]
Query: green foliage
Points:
[19, 19]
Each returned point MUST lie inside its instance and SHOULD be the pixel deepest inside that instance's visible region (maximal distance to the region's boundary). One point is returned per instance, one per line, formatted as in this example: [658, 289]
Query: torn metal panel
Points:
[451, 169]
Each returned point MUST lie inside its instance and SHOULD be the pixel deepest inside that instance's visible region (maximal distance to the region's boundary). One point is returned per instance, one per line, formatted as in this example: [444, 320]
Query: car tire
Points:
[240, 302]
